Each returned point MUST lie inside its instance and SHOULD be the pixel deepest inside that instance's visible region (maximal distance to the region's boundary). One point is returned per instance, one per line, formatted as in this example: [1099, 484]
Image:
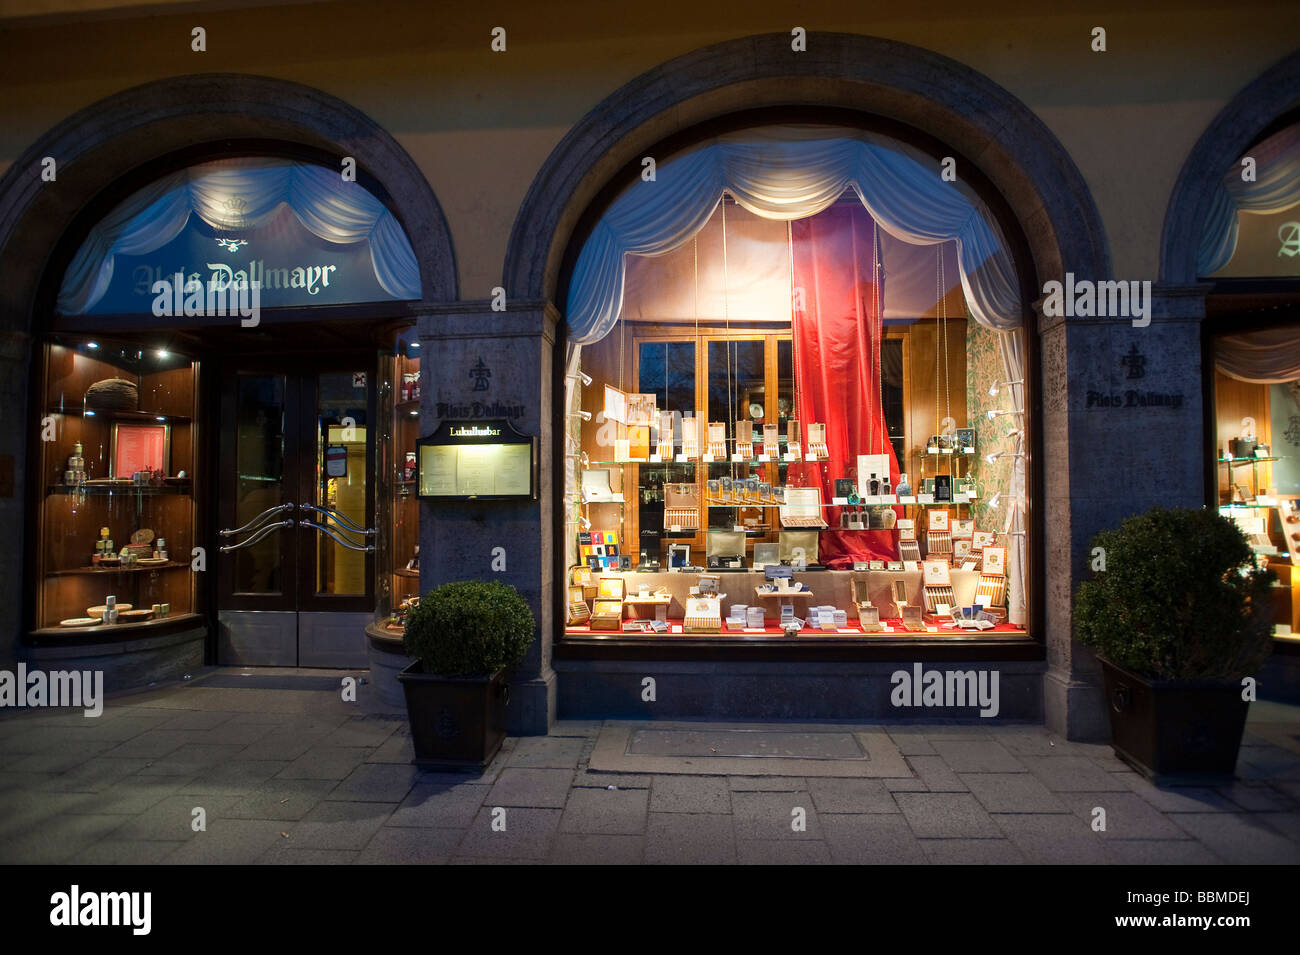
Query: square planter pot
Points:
[1175, 731]
[456, 722]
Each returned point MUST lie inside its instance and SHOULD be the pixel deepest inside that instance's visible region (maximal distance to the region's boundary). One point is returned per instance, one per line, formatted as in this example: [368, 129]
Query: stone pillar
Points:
[16, 426]
[1122, 433]
[457, 540]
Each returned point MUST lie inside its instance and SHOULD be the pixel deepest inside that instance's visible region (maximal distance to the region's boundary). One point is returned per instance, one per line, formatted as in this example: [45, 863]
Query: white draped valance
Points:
[238, 195]
[790, 173]
[1269, 356]
[1276, 187]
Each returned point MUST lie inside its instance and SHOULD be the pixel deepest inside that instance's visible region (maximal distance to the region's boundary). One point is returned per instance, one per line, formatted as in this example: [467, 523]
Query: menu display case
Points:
[117, 510]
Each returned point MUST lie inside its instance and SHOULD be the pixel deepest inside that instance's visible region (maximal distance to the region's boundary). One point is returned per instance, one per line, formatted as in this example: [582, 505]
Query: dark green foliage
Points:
[468, 628]
[1173, 603]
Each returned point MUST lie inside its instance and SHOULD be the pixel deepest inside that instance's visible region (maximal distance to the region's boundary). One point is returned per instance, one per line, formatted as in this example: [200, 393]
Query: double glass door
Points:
[296, 505]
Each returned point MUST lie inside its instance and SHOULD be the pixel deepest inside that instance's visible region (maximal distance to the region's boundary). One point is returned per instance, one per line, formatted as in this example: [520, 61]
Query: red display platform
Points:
[774, 631]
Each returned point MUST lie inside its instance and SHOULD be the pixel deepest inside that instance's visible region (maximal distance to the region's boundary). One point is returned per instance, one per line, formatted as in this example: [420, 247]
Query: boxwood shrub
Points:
[468, 628]
[1180, 598]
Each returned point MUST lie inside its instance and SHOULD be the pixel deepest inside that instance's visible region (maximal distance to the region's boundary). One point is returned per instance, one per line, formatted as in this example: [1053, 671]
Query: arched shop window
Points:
[796, 350]
[128, 462]
[1252, 238]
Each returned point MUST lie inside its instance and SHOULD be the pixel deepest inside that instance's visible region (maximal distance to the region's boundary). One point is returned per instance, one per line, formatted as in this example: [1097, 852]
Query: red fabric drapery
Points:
[837, 333]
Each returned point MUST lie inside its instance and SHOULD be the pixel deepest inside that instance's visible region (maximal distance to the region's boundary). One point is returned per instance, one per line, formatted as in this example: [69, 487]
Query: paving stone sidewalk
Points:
[298, 776]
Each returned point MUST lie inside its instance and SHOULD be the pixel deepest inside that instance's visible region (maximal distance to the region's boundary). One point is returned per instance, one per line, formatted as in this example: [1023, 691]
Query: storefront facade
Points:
[1061, 462]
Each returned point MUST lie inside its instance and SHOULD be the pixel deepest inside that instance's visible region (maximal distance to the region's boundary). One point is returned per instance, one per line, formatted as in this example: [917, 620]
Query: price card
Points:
[810, 456]
[656, 458]
[907, 499]
[889, 499]
[764, 458]
[967, 450]
[839, 501]
[871, 499]
[791, 456]
[738, 528]
[925, 499]
[931, 450]
[961, 498]
[737, 458]
[682, 459]
[676, 528]
[945, 450]
[972, 493]
[708, 459]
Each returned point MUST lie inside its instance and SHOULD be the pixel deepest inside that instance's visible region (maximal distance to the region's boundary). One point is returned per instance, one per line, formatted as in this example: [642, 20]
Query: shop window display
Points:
[793, 425]
[1252, 233]
[1257, 454]
[398, 544]
[116, 511]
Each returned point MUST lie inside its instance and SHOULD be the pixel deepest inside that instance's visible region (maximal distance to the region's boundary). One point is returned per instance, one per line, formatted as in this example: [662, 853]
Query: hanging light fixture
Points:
[999, 385]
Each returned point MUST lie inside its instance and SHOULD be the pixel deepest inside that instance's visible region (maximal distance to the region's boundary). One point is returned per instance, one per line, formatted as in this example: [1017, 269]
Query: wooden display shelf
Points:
[120, 415]
[117, 631]
[146, 490]
[170, 565]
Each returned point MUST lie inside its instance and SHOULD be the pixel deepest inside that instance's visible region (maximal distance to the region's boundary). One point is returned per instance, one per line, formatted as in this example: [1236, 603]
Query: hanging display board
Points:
[481, 459]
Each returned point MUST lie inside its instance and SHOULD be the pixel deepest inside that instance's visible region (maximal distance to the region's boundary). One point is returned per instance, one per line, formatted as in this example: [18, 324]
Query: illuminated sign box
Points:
[477, 460]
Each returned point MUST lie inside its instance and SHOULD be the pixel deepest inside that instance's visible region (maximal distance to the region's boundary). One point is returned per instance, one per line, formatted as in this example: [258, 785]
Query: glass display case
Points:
[398, 545]
[116, 516]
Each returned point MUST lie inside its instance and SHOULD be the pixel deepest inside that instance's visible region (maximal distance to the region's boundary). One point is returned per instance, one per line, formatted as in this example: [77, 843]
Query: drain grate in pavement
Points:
[747, 750]
[747, 744]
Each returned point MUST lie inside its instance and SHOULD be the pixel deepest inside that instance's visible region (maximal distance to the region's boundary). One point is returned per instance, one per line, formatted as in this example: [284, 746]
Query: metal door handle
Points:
[259, 519]
[262, 532]
[335, 516]
[350, 545]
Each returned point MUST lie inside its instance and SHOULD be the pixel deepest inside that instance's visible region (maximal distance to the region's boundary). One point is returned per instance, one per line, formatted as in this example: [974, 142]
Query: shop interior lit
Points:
[793, 427]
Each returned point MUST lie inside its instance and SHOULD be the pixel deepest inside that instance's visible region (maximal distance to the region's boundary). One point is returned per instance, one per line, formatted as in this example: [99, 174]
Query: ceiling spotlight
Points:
[580, 376]
[92, 345]
[993, 501]
[162, 353]
[992, 414]
[413, 345]
[415, 413]
[584, 415]
[160, 418]
[999, 385]
[89, 413]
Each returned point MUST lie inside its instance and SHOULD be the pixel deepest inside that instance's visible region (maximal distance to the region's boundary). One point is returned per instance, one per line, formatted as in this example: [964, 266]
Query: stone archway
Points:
[1272, 94]
[101, 144]
[1011, 147]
